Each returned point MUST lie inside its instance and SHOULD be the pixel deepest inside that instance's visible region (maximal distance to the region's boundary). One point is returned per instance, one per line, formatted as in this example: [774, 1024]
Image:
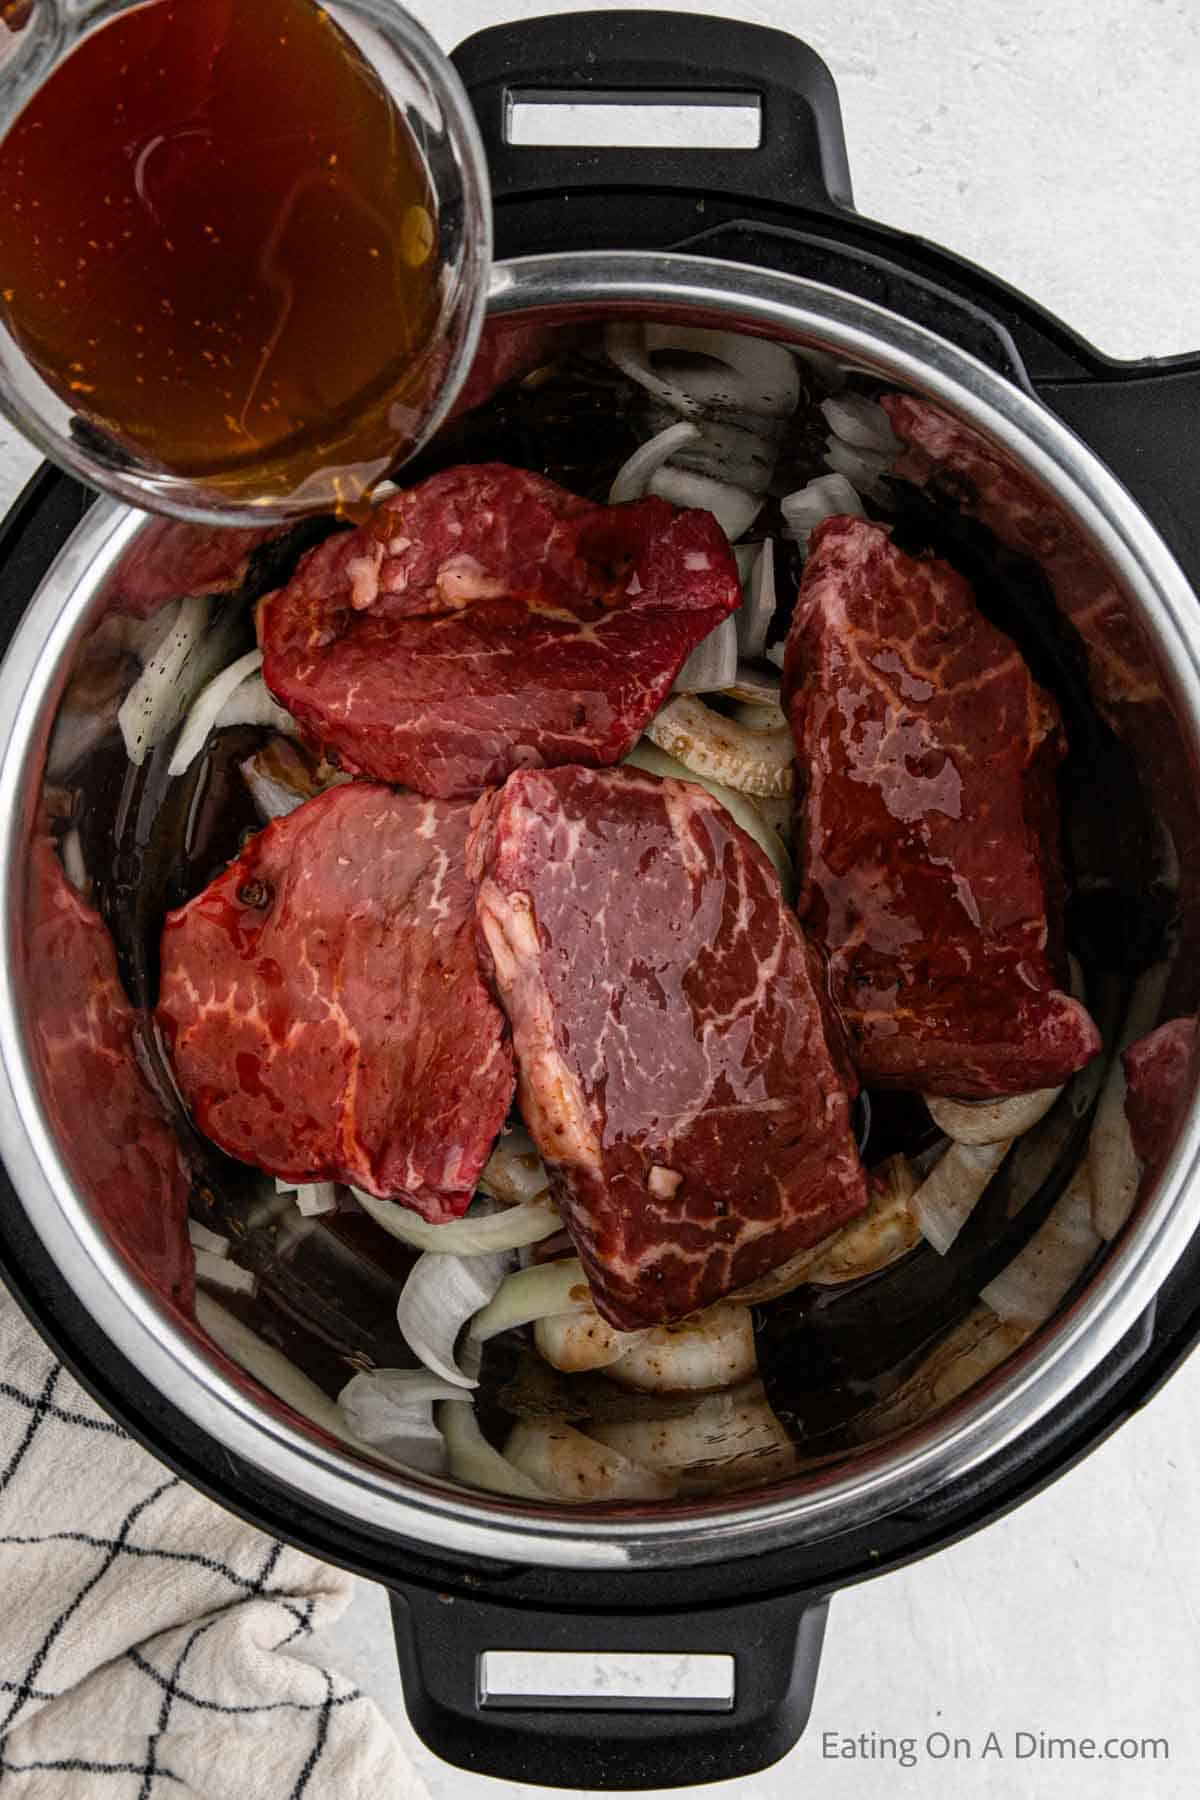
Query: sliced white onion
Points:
[864, 469]
[719, 749]
[473, 1460]
[733, 508]
[273, 798]
[762, 376]
[964, 1356]
[713, 1349]
[712, 665]
[317, 1197]
[577, 1341]
[741, 809]
[990, 1121]
[626, 347]
[565, 1463]
[727, 449]
[861, 423]
[1029, 1290]
[950, 1192]
[758, 690]
[206, 708]
[218, 1272]
[514, 1171]
[439, 1296]
[885, 1231]
[757, 610]
[630, 480]
[182, 659]
[392, 1410]
[758, 377]
[825, 497]
[74, 867]
[718, 1430]
[776, 653]
[1112, 1160]
[479, 1233]
[269, 1365]
[537, 1292]
[204, 1239]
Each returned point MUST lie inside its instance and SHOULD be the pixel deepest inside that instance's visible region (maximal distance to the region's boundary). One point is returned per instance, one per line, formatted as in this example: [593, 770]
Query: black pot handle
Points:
[1143, 419]
[771, 1649]
[800, 159]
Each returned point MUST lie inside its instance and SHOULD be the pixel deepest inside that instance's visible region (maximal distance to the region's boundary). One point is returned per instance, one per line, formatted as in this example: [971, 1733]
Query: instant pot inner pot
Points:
[871, 1346]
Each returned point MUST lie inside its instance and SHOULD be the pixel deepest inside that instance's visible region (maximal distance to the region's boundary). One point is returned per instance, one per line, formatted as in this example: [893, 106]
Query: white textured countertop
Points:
[1059, 147]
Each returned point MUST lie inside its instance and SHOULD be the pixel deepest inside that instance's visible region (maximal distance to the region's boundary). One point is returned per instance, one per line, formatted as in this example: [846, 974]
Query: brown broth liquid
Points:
[218, 245]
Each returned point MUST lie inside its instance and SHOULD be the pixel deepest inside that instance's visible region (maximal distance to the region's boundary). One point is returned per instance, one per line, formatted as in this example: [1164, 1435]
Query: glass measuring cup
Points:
[243, 249]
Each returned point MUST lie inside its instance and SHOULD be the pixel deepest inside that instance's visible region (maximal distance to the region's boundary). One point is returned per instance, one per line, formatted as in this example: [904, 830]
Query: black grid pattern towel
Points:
[147, 1637]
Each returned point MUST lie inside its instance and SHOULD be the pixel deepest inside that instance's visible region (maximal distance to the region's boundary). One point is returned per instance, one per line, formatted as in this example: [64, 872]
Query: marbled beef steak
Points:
[927, 824]
[125, 1156]
[323, 1006]
[487, 621]
[673, 1063]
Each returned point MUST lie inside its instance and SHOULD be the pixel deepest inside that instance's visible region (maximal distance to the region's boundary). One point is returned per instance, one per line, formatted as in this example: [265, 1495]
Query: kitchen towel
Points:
[148, 1637]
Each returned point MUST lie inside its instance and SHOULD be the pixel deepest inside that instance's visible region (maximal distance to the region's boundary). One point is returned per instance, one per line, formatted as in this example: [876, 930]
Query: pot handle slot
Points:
[1142, 419]
[607, 1700]
[668, 66]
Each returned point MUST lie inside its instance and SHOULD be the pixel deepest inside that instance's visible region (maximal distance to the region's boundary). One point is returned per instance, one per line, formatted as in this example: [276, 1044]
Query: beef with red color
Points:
[927, 824]
[1157, 1071]
[119, 1145]
[673, 1064]
[323, 1007]
[488, 620]
[169, 559]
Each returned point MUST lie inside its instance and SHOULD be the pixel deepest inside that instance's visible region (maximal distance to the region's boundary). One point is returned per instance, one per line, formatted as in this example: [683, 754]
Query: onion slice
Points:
[734, 509]
[476, 1234]
[204, 1239]
[724, 1436]
[205, 710]
[269, 1366]
[392, 1410]
[571, 1466]
[157, 698]
[719, 749]
[990, 1121]
[741, 809]
[712, 665]
[439, 1296]
[514, 1171]
[712, 1349]
[538, 1292]
[630, 480]
[754, 616]
[950, 1192]
[1029, 1290]
[473, 1460]
[218, 1272]
[861, 423]
[575, 1342]
[1112, 1160]
[825, 497]
[880, 1235]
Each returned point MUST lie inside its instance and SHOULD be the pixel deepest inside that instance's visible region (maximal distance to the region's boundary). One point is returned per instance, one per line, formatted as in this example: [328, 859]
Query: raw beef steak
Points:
[121, 1150]
[927, 824]
[1156, 1082]
[673, 1067]
[323, 1006]
[487, 621]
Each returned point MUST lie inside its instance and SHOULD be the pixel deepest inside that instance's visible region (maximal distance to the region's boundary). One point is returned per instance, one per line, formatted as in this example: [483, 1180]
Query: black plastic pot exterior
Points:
[786, 206]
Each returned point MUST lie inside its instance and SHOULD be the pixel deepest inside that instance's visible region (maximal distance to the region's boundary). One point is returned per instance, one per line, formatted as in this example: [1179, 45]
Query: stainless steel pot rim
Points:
[421, 1511]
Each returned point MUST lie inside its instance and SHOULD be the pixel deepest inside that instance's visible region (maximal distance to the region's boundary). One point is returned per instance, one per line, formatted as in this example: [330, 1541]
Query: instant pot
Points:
[763, 239]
